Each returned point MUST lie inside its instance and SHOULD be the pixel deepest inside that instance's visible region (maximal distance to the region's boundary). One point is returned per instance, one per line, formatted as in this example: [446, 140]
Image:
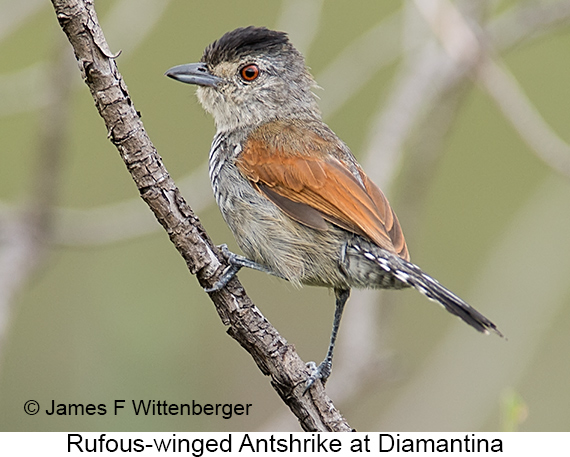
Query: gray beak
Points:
[193, 73]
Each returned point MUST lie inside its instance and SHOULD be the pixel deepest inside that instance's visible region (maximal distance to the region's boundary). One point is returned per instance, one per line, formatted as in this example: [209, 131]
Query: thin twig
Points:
[128, 22]
[463, 46]
[504, 89]
[126, 219]
[373, 50]
[526, 21]
[300, 19]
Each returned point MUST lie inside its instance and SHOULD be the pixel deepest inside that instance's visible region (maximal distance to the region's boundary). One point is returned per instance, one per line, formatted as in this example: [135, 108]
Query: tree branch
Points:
[273, 355]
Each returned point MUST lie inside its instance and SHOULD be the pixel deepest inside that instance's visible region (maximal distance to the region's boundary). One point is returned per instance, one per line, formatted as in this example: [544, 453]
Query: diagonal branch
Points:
[273, 355]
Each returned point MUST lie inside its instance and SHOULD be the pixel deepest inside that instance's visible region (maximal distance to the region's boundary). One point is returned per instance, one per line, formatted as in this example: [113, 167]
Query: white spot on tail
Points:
[422, 289]
[430, 279]
[402, 276]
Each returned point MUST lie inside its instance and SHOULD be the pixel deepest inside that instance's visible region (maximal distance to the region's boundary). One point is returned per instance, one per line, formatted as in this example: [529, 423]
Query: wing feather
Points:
[312, 185]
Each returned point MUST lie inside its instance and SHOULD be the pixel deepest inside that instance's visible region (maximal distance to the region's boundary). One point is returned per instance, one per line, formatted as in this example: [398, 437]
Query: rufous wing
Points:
[314, 187]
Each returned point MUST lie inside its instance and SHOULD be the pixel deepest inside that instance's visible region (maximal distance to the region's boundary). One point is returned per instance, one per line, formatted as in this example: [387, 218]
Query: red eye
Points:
[249, 72]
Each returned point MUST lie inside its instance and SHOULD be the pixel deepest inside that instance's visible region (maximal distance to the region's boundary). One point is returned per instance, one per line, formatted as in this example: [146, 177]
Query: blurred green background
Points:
[97, 305]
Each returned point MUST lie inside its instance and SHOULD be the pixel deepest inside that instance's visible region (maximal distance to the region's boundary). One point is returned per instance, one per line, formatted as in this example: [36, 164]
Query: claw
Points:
[236, 263]
[229, 272]
[321, 372]
[225, 251]
[225, 277]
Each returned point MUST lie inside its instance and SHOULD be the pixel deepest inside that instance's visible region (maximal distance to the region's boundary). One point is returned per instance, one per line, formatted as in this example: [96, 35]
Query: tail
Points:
[398, 273]
[415, 277]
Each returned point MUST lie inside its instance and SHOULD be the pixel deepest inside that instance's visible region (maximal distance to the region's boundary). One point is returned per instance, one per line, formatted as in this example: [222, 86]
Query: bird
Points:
[298, 203]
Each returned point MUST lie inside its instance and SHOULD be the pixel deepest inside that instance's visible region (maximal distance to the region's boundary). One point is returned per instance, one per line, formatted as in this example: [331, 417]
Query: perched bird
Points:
[297, 201]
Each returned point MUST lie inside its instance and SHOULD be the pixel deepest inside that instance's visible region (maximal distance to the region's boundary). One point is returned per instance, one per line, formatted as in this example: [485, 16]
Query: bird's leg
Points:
[236, 263]
[324, 369]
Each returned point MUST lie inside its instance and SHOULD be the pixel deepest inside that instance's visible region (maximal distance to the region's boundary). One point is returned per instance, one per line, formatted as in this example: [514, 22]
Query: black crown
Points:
[244, 41]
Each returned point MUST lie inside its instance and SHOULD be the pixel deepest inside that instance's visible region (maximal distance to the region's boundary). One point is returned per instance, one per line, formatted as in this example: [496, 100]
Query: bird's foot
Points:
[230, 271]
[322, 372]
[236, 263]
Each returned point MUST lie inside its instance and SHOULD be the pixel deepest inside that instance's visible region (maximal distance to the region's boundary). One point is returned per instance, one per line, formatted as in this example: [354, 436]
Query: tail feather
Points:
[433, 290]
[397, 273]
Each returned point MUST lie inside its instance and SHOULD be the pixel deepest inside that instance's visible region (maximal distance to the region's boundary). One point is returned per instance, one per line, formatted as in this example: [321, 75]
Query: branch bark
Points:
[271, 352]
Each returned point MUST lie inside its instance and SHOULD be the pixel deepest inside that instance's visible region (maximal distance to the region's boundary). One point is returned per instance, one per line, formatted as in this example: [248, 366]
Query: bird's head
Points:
[250, 76]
